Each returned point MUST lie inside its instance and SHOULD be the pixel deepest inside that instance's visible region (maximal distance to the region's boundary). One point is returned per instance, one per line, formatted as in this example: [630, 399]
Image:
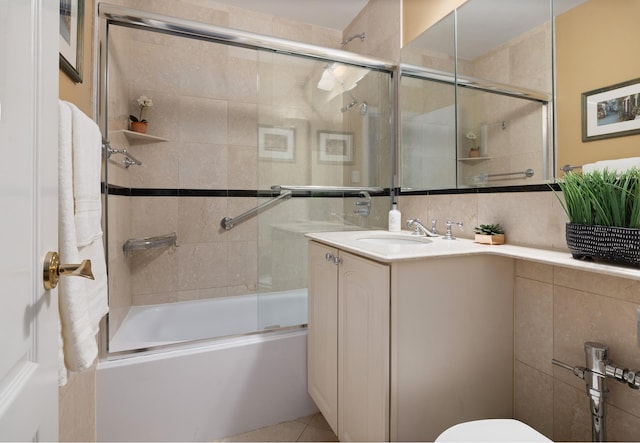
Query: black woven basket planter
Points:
[609, 243]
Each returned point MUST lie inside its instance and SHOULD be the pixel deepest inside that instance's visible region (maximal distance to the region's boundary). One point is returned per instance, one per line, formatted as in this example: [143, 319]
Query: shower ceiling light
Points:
[338, 78]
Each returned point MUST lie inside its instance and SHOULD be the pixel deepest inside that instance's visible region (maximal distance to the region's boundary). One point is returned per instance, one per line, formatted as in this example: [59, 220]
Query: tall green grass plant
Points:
[602, 198]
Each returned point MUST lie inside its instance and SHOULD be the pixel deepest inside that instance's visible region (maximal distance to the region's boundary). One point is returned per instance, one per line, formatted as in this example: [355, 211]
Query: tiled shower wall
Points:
[208, 101]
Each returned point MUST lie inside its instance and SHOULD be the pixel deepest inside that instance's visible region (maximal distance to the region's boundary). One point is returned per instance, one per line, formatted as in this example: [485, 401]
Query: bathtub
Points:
[158, 325]
[205, 390]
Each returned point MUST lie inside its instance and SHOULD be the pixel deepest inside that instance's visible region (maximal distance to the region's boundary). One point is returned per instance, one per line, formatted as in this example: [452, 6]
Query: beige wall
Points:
[80, 93]
[77, 397]
[595, 44]
[419, 15]
[556, 311]
[380, 21]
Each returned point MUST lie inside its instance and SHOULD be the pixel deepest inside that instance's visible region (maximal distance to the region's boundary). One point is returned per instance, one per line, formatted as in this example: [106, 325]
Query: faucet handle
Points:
[411, 221]
[448, 235]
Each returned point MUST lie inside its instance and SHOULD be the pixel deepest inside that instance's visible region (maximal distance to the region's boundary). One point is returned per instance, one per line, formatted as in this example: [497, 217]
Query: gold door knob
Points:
[53, 270]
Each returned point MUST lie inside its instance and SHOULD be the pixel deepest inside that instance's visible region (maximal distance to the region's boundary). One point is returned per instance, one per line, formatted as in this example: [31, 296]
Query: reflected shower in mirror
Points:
[479, 78]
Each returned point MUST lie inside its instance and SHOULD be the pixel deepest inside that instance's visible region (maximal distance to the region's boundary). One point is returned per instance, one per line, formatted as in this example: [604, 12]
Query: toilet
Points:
[495, 430]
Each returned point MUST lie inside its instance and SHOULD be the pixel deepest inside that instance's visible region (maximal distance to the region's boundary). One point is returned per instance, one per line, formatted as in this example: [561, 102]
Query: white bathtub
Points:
[207, 390]
[157, 325]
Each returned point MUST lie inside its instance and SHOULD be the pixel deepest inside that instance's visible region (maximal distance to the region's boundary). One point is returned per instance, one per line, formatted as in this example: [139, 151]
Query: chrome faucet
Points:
[420, 228]
[448, 235]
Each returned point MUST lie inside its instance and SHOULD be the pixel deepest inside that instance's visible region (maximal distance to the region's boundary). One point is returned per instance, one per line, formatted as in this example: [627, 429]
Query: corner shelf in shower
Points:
[146, 243]
[139, 138]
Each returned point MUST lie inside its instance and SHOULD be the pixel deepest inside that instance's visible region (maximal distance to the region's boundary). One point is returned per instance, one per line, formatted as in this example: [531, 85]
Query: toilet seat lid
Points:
[495, 430]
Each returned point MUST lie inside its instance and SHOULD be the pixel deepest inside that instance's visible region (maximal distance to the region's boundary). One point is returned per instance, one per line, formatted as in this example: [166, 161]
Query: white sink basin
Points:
[396, 240]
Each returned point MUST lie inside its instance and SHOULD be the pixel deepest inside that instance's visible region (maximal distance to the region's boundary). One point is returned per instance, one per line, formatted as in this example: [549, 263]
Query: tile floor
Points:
[310, 428]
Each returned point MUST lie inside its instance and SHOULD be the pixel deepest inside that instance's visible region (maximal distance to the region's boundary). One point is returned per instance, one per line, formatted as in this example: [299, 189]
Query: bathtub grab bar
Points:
[326, 188]
[140, 244]
[228, 223]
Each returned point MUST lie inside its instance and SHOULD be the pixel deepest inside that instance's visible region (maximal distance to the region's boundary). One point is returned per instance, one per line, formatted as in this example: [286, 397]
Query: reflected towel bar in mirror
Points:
[567, 168]
[527, 173]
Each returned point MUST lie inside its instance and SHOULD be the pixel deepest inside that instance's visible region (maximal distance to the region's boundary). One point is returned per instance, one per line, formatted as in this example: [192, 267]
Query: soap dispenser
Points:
[395, 218]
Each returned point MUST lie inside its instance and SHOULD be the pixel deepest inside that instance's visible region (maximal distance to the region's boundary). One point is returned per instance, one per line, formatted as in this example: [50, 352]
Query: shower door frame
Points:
[109, 15]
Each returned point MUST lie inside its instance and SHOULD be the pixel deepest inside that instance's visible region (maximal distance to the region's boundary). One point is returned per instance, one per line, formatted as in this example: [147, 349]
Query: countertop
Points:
[438, 247]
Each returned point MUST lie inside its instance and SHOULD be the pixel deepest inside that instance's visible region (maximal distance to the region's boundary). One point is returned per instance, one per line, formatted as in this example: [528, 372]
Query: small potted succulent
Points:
[489, 234]
[138, 124]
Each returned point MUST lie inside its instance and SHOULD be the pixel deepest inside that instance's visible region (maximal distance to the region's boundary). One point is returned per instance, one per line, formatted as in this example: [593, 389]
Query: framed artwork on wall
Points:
[71, 32]
[276, 143]
[612, 111]
[335, 147]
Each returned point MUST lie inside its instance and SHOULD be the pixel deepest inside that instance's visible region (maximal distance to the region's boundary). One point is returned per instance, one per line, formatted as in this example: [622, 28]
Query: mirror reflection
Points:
[475, 97]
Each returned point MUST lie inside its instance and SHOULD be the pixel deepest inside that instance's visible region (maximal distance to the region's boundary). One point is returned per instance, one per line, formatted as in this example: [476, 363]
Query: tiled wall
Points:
[557, 310]
[208, 101]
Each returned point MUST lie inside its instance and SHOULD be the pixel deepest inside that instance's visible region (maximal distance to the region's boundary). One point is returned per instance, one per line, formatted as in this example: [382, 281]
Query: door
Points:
[363, 349]
[28, 226]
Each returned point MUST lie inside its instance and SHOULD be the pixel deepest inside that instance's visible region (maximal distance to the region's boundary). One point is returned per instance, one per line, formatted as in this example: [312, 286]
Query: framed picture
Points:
[335, 147]
[71, 32]
[276, 143]
[613, 111]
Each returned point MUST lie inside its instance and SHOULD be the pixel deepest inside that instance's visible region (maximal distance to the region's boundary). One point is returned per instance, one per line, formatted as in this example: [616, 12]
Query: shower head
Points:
[361, 36]
[364, 107]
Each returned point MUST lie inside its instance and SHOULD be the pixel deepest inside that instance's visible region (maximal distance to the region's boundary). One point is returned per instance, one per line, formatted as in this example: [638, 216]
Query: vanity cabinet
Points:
[348, 347]
[403, 350]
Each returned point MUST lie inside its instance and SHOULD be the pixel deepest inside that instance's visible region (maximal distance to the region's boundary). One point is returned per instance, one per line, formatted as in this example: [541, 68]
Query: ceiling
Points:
[335, 14]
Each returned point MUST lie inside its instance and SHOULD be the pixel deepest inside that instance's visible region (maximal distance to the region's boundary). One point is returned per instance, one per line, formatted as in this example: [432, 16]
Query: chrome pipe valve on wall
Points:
[595, 373]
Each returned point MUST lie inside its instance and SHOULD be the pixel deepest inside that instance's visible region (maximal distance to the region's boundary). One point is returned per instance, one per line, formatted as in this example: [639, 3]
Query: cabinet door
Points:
[322, 347]
[363, 349]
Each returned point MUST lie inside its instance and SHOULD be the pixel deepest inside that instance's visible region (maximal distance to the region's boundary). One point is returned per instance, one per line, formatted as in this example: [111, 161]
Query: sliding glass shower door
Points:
[323, 135]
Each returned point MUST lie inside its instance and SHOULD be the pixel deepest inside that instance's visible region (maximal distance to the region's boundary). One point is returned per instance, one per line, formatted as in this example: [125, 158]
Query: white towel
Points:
[82, 303]
[87, 154]
[620, 165]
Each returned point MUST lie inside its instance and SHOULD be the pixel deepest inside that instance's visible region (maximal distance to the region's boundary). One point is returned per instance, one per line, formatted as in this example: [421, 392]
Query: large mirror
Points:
[476, 97]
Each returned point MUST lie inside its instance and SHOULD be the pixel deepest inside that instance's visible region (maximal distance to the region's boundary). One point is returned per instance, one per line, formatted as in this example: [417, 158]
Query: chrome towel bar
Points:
[228, 223]
[129, 159]
[568, 168]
